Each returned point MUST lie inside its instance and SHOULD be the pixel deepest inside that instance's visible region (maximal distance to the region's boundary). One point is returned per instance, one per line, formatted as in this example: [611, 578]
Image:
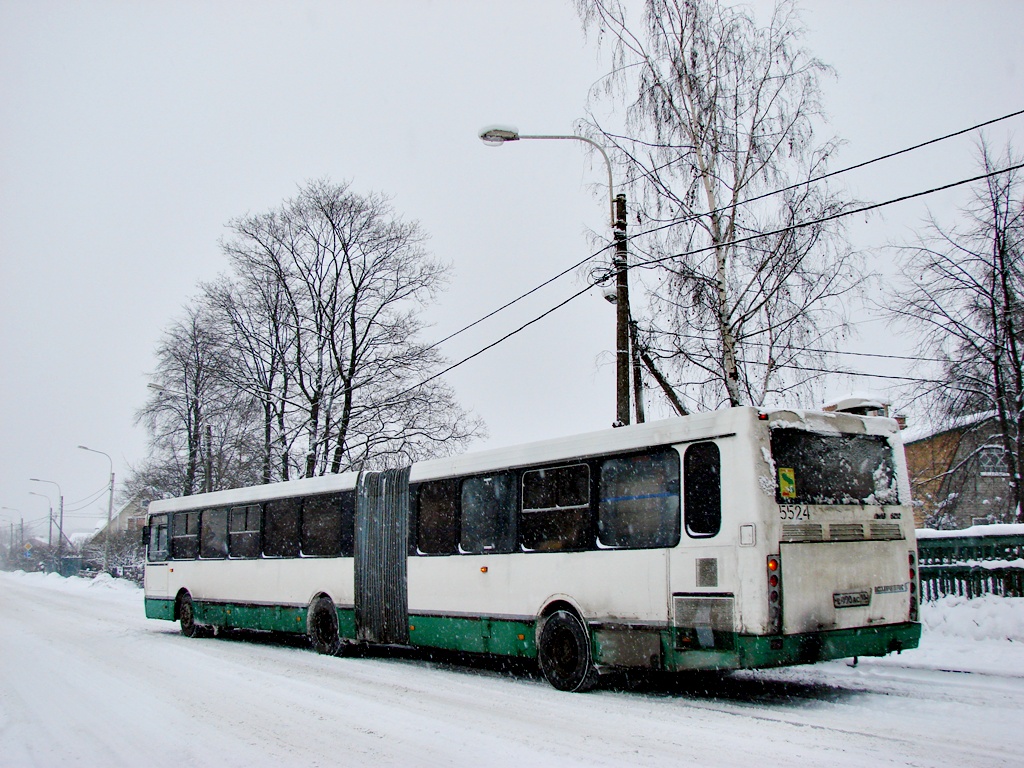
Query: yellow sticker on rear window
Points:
[787, 482]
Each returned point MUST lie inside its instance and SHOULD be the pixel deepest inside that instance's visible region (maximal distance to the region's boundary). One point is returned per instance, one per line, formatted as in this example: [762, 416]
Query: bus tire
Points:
[564, 653]
[187, 616]
[322, 627]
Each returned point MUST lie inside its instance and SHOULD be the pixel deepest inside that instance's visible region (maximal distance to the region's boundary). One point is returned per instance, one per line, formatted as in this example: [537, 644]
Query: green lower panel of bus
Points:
[757, 651]
[506, 637]
[270, 618]
[650, 647]
[157, 608]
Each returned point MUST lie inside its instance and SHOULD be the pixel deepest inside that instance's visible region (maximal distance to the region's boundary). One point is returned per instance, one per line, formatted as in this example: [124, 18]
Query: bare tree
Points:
[348, 278]
[251, 306]
[962, 292]
[304, 359]
[200, 427]
[720, 112]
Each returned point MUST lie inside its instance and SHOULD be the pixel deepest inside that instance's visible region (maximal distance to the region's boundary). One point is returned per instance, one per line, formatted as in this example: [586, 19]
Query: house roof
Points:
[919, 432]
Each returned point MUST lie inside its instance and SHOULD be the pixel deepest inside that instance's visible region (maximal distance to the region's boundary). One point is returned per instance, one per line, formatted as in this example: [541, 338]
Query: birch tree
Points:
[719, 112]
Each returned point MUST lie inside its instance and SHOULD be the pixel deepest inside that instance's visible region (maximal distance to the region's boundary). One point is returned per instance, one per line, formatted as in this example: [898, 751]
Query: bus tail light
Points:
[914, 594]
[774, 594]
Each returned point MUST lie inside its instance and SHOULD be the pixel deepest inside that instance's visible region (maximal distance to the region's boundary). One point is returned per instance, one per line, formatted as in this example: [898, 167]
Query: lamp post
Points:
[110, 507]
[497, 135]
[60, 525]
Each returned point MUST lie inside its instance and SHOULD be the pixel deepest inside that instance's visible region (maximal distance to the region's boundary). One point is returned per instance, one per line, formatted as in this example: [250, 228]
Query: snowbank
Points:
[996, 529]
[983, 618]
[104, 582]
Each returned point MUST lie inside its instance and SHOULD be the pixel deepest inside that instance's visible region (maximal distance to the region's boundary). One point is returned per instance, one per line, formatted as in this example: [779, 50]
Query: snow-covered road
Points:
[86, 680]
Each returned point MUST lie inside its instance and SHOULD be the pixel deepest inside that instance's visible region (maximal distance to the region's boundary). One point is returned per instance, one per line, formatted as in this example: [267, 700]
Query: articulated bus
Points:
[734, 539]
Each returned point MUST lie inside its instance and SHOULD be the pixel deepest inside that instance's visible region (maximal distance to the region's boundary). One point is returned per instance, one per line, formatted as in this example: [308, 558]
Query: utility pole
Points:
[622, 356]
[497, 135]
[110, 508]
[60, 541]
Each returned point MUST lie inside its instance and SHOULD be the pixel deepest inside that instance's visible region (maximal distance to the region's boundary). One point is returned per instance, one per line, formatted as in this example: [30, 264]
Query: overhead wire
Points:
[830, 174]
[791, 227]
[683, 220]
[820, 350]
[830, 217]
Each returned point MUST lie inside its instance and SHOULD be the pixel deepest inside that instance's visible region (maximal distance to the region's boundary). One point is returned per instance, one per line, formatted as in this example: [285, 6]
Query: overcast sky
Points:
[131, 132]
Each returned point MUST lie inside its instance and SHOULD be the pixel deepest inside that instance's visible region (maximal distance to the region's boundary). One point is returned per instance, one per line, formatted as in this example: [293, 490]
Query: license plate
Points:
[856, 599]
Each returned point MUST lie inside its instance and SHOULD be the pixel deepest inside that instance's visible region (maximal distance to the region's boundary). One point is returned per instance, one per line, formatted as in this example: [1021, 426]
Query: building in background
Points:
[959, 475]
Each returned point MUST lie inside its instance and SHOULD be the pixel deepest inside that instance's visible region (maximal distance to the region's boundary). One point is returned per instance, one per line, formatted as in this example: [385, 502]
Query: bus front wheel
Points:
[564, 653]
[187, 616]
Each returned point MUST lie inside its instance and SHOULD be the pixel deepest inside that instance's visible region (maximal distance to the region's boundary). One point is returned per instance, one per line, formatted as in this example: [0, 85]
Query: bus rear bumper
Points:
[759, 651]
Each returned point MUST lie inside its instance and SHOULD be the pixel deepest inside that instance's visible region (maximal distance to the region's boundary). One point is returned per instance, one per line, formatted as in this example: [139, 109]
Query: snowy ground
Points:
[86, 680]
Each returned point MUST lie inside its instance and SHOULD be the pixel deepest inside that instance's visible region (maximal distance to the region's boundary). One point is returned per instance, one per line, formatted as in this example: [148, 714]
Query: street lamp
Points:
[110, 507]
[60, 525]
[500, 134]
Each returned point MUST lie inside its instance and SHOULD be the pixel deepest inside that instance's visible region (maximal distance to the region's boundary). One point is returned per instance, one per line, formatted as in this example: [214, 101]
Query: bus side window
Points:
[639, 501]
[488, 514]
[213, 534]
[322, 520]
[556, 509]
[244, 531]
[702, 490]
[157, 550]
[185, 536]
[281, 528]
[437, 521]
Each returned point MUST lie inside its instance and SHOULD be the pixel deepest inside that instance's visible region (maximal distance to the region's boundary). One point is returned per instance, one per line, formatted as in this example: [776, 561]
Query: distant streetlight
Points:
[500, 134]
[60, 525]
[110, 507]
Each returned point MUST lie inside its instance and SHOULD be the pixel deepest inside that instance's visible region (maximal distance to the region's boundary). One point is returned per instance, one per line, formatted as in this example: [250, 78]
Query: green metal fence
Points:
[971, 565]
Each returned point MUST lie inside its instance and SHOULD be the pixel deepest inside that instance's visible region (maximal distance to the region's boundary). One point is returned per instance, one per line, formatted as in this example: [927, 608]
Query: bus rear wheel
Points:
[564, 653]
[322, 627]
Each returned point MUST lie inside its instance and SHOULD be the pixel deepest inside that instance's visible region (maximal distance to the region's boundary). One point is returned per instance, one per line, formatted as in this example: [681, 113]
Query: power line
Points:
[830, 217]
[92, 498]
[830, 174]
[910, 358]
[782, 230]
[684, 220]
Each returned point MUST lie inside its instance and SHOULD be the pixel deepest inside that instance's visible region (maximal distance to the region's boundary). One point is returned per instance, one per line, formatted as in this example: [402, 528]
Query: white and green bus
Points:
[725, 540]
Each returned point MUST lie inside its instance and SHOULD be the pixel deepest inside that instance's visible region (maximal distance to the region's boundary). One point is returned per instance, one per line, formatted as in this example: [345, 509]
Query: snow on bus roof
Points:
[706, 425]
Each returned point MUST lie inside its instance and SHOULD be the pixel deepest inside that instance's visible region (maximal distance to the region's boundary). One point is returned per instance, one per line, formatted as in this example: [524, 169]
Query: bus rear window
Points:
[813, 468]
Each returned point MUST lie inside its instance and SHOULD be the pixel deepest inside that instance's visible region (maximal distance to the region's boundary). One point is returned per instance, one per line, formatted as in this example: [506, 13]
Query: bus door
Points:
[703, 565]
[381, 551]
[157, 554]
